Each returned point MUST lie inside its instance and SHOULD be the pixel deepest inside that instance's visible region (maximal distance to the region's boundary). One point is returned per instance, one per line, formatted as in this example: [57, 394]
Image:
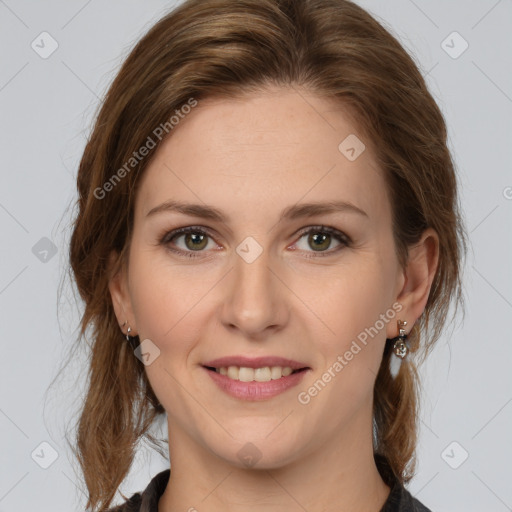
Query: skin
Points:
[252, 157]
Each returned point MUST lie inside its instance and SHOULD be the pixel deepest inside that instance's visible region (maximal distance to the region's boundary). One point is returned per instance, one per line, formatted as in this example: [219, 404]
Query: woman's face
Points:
[273, 278]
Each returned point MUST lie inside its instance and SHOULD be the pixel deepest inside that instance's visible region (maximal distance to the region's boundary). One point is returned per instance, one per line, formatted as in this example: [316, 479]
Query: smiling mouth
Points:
[263, 374]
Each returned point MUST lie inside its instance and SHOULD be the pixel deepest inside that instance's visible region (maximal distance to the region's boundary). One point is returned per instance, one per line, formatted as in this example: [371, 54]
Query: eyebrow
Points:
[290, 213]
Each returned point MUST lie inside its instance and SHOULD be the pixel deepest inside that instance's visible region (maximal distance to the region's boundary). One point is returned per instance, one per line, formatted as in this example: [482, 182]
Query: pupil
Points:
[197, 239]
[322, 237]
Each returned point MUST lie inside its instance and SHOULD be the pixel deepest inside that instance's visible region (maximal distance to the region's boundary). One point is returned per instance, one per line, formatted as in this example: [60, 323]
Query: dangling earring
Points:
[400, 349]
[130, 339]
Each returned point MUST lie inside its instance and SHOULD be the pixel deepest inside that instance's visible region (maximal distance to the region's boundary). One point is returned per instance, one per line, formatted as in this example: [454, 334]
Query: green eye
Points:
[196, 239]
[320, 238]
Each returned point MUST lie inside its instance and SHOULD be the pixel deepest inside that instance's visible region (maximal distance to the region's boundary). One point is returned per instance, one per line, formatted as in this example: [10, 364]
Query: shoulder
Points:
[132, 505]
[147, 501]
[399, 499]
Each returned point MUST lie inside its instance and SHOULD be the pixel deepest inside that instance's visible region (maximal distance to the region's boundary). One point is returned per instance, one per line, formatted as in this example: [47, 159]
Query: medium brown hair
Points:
[223, 48]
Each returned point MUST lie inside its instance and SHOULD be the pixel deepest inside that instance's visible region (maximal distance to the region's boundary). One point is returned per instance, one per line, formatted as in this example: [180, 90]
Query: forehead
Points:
[269, 148]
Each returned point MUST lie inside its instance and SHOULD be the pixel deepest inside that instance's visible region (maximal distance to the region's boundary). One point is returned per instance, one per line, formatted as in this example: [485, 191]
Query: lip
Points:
[255, 362]
[255, 390]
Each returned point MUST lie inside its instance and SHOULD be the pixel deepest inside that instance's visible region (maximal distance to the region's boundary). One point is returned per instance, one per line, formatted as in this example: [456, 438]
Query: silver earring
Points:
[400, 349]
[132, 340]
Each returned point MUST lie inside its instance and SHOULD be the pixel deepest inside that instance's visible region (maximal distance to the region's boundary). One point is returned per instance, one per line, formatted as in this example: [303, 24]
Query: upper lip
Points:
[254, 362]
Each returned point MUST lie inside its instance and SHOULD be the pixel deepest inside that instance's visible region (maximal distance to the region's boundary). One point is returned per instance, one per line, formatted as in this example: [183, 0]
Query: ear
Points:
[418, 276]
[119, 292]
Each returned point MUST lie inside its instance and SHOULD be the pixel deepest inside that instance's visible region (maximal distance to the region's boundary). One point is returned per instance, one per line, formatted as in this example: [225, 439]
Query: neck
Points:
[344, 479]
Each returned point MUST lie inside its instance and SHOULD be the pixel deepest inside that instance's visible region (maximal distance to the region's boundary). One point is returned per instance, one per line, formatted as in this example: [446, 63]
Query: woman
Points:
[267, 233]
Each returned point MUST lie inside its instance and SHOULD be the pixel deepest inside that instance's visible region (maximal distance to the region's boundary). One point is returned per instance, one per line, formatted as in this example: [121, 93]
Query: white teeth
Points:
[276, 372]
[262, 374]
[233, 372]
[245, 374]
[265, 374]
[286, 371]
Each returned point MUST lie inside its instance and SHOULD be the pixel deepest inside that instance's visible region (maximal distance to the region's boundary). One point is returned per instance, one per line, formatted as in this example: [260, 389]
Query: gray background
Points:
[47, 106]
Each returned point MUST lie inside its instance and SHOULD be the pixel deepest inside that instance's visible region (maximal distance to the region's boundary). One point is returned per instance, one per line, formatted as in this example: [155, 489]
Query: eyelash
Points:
[169, 236]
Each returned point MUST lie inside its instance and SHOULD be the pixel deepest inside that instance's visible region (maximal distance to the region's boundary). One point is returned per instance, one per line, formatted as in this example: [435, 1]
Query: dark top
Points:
[399, 499]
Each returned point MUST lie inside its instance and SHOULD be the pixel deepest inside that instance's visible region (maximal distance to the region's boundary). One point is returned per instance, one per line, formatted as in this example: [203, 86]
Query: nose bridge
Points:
[255, 301]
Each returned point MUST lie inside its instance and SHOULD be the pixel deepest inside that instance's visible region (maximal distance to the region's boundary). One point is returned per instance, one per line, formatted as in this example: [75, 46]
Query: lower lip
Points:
[255, 390]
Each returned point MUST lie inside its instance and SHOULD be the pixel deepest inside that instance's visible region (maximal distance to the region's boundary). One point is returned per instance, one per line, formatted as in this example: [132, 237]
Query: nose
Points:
[255, 300]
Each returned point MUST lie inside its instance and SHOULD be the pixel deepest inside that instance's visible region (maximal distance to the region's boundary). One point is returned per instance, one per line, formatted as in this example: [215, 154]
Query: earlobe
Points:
[419, 274]
[119, 291]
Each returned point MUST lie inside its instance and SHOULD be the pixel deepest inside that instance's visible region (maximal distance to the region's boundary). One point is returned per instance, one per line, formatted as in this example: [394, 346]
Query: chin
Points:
[259, 453]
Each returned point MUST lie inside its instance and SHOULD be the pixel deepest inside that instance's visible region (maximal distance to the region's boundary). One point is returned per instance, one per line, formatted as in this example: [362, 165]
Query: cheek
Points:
[348, 301]
[349, 359]
[167, 299]
[169, 310]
